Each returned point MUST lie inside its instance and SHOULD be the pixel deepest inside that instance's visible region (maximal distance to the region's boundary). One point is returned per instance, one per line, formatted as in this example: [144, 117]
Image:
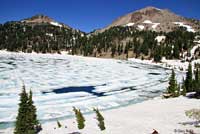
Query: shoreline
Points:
[167, 64]
[164, 115]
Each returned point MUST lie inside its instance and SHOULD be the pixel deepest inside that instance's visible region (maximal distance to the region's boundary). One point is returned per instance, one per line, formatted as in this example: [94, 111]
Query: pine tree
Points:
[173, 88]
[32, 116]
[189, 81]
[183, 92]
[196, 82]
[100, 119]
[59, 124]
[21, 120]
[26, 121]
[79, 118]
[158, 54]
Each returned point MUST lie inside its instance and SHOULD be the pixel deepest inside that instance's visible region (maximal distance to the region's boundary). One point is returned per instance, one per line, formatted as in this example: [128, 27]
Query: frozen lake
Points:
[60, 82]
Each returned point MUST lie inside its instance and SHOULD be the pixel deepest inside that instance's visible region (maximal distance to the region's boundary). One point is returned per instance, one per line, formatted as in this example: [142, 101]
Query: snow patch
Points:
[147, 22]
[49, 34]
[130, 24]
[155, 25]
[160, 38]
[141, 27]
[56, 24]
[181, 24]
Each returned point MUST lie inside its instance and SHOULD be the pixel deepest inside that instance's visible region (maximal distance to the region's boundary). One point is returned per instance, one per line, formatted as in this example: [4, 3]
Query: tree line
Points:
[191, 83]
[116, 41]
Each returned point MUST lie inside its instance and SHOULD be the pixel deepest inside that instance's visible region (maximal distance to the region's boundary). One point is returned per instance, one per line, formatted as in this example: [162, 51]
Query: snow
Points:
[130, 24]
[154, 26]
[46, 72]
[164, 115]
[49, 34]
[56, 24]
[170, 64]
[147, 22]
[141, 27]
[197, 41]
[82, 35]
[189, 28]
[192, 51]
[160, 38]
[175, 64]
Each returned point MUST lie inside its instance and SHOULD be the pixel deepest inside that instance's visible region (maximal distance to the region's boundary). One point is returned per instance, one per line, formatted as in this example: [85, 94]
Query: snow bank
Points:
[160, 38]
[56, 24]
[141, 27]
[155, 25]
[164, 115]
[130, 24]
[189, 28]
[49, 34]
[147, 22]
[170, 64]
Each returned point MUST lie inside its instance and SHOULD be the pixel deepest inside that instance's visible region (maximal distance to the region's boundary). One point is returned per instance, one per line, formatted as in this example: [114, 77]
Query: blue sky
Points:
[88, 15]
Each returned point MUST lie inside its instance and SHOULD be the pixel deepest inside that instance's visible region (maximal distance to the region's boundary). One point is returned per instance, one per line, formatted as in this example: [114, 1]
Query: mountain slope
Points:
[151, 18]
[41, 19]
[38, 33]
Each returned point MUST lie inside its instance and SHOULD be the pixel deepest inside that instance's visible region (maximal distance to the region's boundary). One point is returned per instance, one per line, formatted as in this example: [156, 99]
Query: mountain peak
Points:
[151, 18]
[39, 18]
[150, 8]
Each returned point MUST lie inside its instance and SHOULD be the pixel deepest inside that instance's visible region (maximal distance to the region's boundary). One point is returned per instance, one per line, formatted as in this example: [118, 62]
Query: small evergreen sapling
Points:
[59, 124]
[79, 118]
[100, 119]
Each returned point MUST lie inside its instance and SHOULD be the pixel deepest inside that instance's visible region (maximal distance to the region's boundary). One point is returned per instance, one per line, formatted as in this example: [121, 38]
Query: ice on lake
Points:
[60, 82]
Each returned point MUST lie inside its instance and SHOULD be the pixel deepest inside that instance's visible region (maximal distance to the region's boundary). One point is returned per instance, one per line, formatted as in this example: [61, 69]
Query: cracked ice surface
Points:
[59, 82]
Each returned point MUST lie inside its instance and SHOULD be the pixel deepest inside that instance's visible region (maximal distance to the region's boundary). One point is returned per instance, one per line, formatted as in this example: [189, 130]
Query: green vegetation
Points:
[100, 119]
[116, 41]
[44, 37]
[173, 90]
[192, 81]
[79, 118]
[59, 124]
[194, 114]
[190, 84]
[189, 79]
[26, 121]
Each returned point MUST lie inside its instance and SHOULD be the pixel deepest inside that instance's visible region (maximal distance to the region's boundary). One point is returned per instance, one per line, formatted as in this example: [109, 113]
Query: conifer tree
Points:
[173, 88]
[189, 81]
[21, 126]
[79, 118]
[197, 81]
[26, 121]
[59, 124]
[183, 92]
[32, 116]
[100, 119]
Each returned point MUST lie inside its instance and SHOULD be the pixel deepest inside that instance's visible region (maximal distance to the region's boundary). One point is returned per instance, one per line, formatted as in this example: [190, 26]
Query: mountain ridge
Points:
[162, 19]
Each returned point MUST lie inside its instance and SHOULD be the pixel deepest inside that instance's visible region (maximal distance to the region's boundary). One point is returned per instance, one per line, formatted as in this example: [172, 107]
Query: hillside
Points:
[38, 33]
[151, 18]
